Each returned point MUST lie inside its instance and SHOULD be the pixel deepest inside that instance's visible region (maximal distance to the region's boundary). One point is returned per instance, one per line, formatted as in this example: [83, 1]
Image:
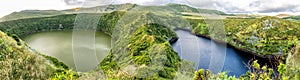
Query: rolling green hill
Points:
[103, 9]
[296, 18]
[30, 14]
[48, 13]
[186, 8]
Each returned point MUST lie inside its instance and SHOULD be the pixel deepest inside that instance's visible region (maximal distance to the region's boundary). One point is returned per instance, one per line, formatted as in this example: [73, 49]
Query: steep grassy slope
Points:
[17, 61]
[148, 52]
[141, 49]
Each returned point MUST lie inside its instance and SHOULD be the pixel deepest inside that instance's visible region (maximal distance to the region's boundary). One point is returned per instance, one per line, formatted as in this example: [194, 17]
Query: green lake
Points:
[58, 44]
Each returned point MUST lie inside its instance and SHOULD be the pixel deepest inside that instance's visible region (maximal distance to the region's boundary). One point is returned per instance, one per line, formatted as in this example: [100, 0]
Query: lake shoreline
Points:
[266, 59]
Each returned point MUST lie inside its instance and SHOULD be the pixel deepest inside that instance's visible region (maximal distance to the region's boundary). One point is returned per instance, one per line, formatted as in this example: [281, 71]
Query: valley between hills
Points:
[143, 42]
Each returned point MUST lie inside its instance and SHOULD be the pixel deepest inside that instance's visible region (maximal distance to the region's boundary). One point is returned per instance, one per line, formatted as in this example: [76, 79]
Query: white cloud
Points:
[259, 6]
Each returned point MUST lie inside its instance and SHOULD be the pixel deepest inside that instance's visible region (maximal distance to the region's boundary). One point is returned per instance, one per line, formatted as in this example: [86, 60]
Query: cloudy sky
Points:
[269, 7]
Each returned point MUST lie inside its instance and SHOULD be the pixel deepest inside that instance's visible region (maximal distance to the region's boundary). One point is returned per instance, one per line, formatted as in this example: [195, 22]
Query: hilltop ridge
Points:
[99, 9]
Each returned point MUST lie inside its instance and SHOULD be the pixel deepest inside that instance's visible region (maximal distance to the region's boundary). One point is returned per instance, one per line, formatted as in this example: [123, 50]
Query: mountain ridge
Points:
[100, 9]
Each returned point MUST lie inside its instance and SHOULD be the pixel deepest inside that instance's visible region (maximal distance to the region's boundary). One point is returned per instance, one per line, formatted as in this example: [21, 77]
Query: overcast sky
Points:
[270, 7]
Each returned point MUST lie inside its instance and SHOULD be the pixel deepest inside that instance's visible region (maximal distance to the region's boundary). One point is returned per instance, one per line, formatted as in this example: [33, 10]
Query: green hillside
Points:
[48, 13]
[30, 14]
[18, 61]
[262, 36]
[269, 35]
[141, 47]
[186, 8]
[17, 58]
[154, 39]
[103, 9]
[266, 37]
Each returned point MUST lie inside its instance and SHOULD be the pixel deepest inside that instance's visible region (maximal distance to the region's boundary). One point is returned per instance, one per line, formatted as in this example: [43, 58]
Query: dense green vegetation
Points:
[50, 67]
[142, 44]
[293, 64]
[266, 37]
[149, 51]
[24, 27]
[263, 36]
[147, 43]
[18, 61]
[141, 48]
[257, 72]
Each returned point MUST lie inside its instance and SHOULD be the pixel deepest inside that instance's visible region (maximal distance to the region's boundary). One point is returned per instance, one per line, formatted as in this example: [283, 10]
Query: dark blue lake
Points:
[210, 55]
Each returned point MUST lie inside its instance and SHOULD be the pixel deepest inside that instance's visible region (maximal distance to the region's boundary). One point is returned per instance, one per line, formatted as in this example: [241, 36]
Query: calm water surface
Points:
[58, 44]
[209, 55]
